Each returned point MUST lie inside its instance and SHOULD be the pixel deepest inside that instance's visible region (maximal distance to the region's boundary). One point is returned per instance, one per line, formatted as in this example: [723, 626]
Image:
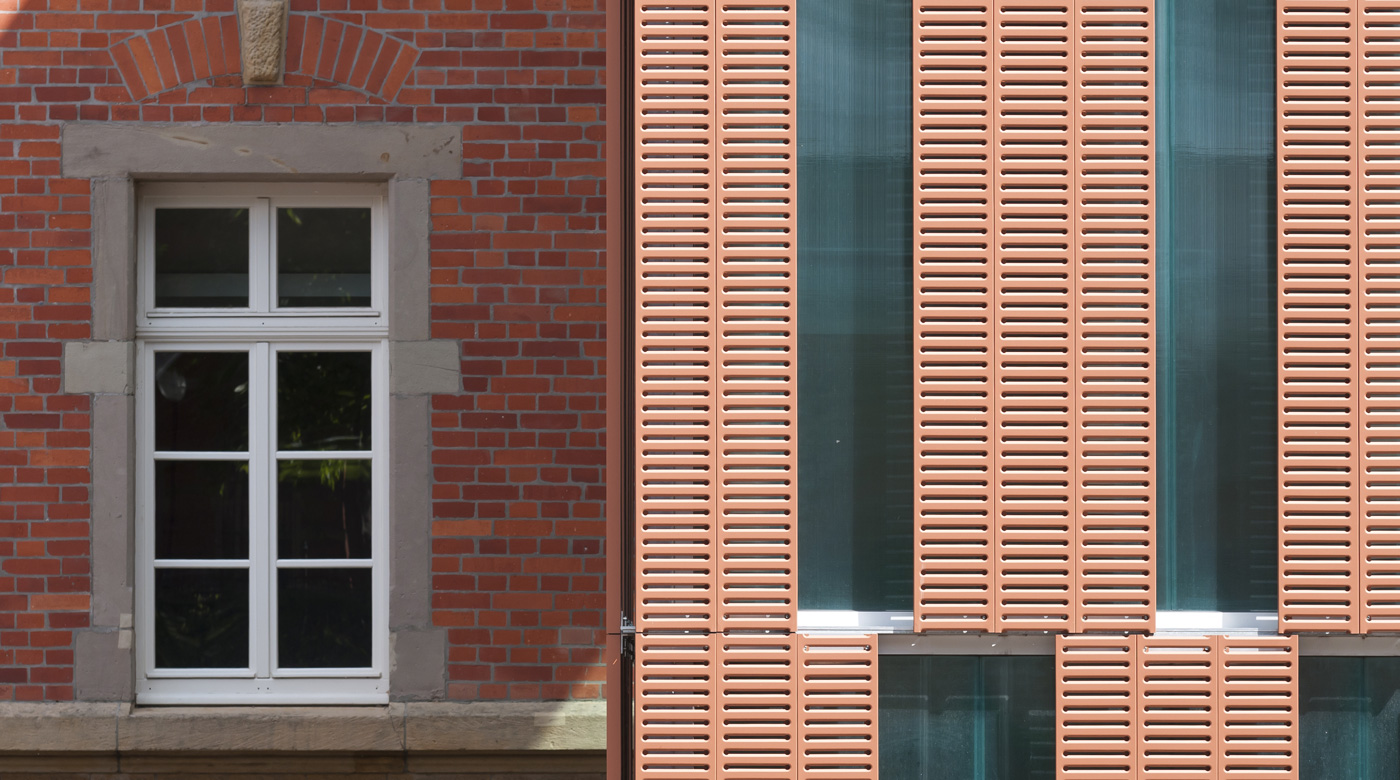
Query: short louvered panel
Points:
[1096, 691]
[1318, 328]
[953, 316]
[757, 706]
[1380, 317]
[675, 717]
[1114, 218]
[1178, 711]
[674, 174]
[1034, 308]
[757, 298]
[838, 700]
[1258, 703]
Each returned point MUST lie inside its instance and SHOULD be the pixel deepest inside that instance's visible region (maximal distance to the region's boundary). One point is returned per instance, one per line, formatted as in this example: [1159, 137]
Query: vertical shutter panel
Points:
[1178, 707]
[757, 706]
[675, 707]
[674, 316]
[757, 298]
[1096, 693]
[838, 699]
[953, 316]
[1034, 296]
[1258, 704]
[1380, 323]
[1114, 219]
[1317, 316]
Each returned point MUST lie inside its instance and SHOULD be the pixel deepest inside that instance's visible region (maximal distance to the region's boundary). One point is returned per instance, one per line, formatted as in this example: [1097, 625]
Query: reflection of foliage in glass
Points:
[202, 619]
[323, 400]
[323, 508]
[327, 247]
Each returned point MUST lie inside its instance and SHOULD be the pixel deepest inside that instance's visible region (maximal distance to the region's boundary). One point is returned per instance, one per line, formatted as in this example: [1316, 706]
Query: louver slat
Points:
[1318, 329]
[1114, 218]
[1380, 317]
[1178, 707]
[757, 706]
[838, 702]
[1034, 310]
[953, 316]
[1258, 705]
[674, 290]
[757, 374]
[1096, 692]
[675, 707]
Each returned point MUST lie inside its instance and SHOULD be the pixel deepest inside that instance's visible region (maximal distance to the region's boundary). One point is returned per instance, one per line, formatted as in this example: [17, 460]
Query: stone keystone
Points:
[262, 26]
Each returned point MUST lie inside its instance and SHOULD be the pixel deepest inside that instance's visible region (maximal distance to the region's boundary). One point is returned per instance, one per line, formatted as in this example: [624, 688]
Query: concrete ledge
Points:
[98, 367]
[97, 729]
[97, 149]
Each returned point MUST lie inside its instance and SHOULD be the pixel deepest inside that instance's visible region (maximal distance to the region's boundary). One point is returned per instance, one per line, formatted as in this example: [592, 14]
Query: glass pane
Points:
[855, 299]
[201, 401]
[201, 509]
[1351, 718]
[323, 400]
[202, 618]
[323, 509]
[323, 257]
[1217, 528]
[202, 258]
[323, 618]
[967, 718]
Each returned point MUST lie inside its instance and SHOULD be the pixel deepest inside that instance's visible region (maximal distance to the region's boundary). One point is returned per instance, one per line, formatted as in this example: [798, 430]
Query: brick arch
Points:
[318, 48]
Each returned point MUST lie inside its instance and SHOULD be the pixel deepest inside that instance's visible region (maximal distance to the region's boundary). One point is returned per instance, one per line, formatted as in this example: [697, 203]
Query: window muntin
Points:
[262, 476]
[1216, 319]
[854, 306]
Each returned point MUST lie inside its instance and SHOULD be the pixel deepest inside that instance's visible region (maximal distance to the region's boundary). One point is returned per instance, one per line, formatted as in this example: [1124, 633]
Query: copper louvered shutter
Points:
[675, 720]
[1096, 693]
[1033, 415]
[674, 112]
[1115, 371]
[1317, 297]
[1178, 707]
[1380, 317]
[1258, 706]
[838, 701]
[757, 706]
[953, 316]
[757, 330]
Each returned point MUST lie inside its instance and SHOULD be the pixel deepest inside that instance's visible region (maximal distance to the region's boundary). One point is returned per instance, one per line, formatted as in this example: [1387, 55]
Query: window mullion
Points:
[262, 412]
[262, 256]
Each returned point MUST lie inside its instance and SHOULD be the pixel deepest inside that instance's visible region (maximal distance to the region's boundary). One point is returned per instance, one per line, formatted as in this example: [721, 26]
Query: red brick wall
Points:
[517, 276]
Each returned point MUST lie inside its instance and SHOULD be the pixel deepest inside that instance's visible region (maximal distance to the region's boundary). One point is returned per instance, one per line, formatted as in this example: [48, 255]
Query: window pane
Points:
[1217, 530]
[201, 509]
[323, 618]
[323, 400]
[202, 258]
[967, 718]
[1351, 718]
[202, 618]
[201, 401]
[855, 299]
[323, 509]
[323, 257]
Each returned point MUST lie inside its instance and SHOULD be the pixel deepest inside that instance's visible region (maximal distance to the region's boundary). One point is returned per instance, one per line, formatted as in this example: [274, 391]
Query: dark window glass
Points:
[323, 618]
[855, 305]
[323, 509]
[201, 618]
[202, 258]
[1216, 350]
[201, 401]
[323, 257]
[323, 400]
[967, 717]
[1350, 718]
[201, 509]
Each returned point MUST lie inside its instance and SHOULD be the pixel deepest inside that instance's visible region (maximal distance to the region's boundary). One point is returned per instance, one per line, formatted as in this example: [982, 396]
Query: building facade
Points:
[1011, 389]
[302, 404]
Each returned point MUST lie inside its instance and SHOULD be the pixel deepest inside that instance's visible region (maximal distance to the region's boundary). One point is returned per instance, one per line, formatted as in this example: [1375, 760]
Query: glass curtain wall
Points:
[1216, 306]
[967, 717]
[1350, 718]
[854, 299]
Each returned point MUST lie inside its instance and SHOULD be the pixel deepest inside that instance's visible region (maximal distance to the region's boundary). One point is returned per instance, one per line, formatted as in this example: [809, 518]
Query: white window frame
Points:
[262, 330]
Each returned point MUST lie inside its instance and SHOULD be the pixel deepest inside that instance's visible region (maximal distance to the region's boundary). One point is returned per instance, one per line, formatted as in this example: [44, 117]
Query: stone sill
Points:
[413, 728]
